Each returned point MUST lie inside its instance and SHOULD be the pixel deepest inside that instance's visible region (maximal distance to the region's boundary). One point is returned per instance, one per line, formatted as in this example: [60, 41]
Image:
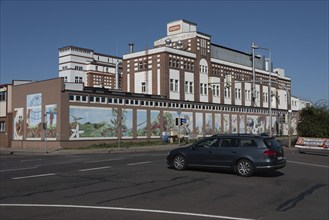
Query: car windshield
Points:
[272, 143]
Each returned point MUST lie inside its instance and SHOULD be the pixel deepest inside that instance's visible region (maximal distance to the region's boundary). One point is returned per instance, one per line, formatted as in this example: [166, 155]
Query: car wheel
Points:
[244, 168]
[179, 162]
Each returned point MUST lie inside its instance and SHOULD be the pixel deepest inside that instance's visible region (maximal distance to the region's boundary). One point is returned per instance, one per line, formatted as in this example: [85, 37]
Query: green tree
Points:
[314, 122]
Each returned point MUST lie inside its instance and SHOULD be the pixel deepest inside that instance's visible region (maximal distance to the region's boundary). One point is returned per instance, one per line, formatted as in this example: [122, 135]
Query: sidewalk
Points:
[166, 147]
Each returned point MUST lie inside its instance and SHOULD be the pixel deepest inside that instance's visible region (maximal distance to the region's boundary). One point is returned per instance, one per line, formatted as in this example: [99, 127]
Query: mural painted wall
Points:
[155, 123]
[256, 124]
[93, 122]
[127, 123]
[218, 124]
[226, 123]
[141, 123]
[34, 128]
[242, 124]
[234, 124]
[208, 125]
[187, 128]
[18, 124]
[102, 123]
[169, 121]
[199, 131]
[51, 118]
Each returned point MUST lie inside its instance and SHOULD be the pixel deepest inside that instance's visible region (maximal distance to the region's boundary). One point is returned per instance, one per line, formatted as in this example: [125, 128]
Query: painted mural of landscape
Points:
[155, 123]
[141, 123]
[18, 123]
[102, 123]
[34, 127]
[51, 118]
[88, 122]
[127, 123]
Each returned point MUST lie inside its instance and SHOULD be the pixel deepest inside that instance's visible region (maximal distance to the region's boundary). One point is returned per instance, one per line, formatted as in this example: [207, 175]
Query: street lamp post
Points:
[254, 47]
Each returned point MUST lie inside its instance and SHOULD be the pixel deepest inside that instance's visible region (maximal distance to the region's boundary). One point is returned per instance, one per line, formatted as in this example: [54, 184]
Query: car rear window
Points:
[272, 143]
[248, 143]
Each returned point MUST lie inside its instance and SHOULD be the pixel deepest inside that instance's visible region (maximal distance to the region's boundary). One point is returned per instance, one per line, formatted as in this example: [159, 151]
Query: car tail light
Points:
[269, 152]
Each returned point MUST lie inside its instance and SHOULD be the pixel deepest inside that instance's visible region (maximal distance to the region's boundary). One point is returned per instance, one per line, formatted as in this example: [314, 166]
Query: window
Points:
[238, 93]
[3, 96]
[2, 126]
[248, 143]
[176, 85]
[143, 87]
[229, 142]
[211, 142]
[227, 93]
[201, 88]
[78, 79]
[188, 87]
[65, 78]
[171, 85]
[205, 89]
[247, 95]
[80, 68]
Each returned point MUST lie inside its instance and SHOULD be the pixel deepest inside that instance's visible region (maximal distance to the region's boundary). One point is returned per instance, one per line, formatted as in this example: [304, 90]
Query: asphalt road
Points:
[138, 185]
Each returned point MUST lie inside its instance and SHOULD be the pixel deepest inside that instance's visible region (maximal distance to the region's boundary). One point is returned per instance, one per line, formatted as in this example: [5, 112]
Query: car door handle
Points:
[233, 152]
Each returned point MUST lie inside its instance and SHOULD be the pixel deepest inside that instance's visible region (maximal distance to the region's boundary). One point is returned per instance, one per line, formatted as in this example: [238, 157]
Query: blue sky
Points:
[296, 31]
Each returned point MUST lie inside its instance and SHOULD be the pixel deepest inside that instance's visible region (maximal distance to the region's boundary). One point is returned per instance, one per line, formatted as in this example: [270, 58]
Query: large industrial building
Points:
[101, 98]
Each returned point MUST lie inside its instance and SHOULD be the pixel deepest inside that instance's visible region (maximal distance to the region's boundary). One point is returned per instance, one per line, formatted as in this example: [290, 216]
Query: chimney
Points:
[131, 47]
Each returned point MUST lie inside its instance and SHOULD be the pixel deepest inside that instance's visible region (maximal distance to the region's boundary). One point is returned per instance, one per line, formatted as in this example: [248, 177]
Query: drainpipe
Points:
[117, 74]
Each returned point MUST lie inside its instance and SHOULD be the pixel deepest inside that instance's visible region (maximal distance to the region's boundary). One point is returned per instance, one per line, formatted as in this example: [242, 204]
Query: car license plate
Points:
[280, 158]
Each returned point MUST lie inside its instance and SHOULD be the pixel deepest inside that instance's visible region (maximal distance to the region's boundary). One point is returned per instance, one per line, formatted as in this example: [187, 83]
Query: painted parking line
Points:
[18, 169]
[309, 164]
[98, 161]
[138, 163]
[34, 176]
[127, 209]
[95, 168]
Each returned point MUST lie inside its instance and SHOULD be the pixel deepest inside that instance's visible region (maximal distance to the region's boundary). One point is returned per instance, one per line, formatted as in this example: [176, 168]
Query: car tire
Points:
[244, 168]
[179, 162]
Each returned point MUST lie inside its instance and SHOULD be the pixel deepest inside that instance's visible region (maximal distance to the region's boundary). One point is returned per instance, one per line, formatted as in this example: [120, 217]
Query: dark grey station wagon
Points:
[244, 154]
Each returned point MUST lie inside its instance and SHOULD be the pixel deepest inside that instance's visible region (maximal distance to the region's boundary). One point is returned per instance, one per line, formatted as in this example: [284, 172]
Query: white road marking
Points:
[127, 209]
[96, 168]
[17, 169]
[96, 161]
[138, 163]
[34, 176]
[30, 160]
[309, 164]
